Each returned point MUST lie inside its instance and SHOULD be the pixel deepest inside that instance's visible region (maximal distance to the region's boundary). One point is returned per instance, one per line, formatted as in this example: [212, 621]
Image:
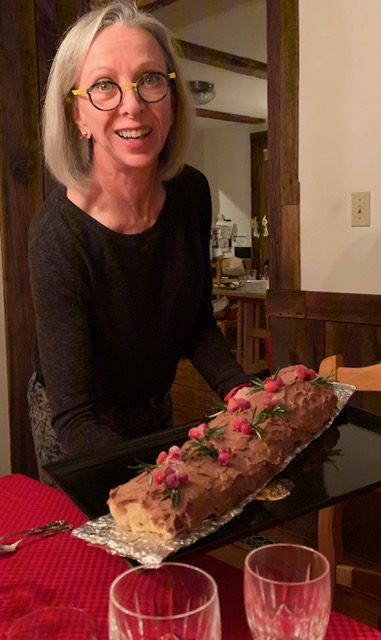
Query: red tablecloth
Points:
[65, 570]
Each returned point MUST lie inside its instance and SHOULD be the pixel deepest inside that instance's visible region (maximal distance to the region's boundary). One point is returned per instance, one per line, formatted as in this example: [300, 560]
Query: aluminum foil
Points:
[151, 549]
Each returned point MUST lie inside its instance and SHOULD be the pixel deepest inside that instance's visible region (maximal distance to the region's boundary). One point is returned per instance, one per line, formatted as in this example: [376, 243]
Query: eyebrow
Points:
[150, 65]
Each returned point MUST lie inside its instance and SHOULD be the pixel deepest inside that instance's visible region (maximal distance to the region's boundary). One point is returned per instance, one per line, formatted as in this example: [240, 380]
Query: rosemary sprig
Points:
[220, 408]
[143, 466]
[200, 446]
[173, 495]
[258, 383]
[264, 414]
[322, 380]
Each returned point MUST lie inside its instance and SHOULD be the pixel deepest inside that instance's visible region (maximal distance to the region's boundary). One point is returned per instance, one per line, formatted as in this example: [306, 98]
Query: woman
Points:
[119, 253]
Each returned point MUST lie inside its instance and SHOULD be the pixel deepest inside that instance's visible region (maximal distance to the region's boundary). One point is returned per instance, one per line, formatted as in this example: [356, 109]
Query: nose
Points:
[130, 103]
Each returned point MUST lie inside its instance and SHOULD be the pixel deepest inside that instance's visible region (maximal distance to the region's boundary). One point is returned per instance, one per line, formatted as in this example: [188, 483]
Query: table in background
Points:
[64, 570]
[251, 327]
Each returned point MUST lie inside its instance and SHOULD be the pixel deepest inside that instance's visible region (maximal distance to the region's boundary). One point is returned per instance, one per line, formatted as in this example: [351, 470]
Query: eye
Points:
[104, 86]
[151, 79]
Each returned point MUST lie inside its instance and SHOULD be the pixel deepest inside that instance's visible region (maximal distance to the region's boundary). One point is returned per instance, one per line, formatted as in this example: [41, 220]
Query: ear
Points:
[78, 118]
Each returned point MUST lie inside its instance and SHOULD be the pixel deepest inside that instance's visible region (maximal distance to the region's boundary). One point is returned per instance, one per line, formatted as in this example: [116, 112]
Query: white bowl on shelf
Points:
[256, 286]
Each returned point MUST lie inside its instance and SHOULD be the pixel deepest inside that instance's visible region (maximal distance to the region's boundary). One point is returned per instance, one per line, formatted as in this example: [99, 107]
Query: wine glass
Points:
[287, 592]
[55, 623]
[171, 601]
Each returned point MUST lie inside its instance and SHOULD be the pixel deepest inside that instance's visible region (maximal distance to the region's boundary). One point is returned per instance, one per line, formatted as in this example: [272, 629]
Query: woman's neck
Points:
[125, 203]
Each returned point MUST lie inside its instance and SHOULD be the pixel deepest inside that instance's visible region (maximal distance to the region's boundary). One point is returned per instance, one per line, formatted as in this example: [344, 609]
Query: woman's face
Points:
[132, 135]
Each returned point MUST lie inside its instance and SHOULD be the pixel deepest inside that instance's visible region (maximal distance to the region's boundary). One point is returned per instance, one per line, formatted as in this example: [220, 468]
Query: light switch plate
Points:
[360, 214]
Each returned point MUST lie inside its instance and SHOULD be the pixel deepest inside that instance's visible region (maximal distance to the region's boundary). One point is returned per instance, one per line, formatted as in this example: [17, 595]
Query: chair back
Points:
[363, 378]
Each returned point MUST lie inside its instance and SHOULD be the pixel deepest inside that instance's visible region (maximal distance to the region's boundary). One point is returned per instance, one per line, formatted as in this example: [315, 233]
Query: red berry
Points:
[246, 428]
[232, 405]
[172, 481]
[183, 478]
[300, 371]
[158, 476]
[161, 458]
[271, 386]
[224, 457]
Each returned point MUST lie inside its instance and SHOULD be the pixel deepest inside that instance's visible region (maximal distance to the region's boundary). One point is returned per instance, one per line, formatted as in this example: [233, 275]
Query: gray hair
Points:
[68, 158]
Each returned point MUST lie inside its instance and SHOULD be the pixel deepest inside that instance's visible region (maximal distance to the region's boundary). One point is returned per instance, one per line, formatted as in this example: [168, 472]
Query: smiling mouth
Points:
[133, 134]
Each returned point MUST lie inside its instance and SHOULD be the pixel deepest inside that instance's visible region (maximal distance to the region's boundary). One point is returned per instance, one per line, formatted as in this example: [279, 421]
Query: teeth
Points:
[133, 133]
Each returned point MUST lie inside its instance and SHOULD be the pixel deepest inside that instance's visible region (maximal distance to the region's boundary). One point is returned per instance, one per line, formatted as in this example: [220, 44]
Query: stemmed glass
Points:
[171, 601]
[55, 623]
[287, 593]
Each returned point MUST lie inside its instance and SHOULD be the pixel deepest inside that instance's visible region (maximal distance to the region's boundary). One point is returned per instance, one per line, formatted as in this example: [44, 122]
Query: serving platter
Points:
[88, 480]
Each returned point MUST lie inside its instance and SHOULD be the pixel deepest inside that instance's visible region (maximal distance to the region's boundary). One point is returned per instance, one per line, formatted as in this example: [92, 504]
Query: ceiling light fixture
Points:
[202, 91]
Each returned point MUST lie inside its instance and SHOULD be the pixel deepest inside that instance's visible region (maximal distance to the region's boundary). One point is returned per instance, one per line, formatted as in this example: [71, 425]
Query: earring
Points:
[83, 135]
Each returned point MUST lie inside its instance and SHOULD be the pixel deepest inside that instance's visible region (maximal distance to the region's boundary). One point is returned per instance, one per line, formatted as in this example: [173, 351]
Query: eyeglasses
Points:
[106, 95]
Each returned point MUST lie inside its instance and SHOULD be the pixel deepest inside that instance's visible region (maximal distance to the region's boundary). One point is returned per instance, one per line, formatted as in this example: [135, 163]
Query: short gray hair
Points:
[68, 158]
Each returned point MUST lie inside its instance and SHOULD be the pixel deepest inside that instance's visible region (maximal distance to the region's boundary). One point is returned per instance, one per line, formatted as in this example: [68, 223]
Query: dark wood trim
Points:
[230, 117]
[223, 60]
[152, 5]
[286, 303]
[21, 195]
[283, 104]
[355, 308]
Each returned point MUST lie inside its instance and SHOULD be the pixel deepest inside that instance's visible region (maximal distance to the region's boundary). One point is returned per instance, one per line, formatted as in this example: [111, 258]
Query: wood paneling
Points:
[283, 101]
[21, 194]
[29, 35]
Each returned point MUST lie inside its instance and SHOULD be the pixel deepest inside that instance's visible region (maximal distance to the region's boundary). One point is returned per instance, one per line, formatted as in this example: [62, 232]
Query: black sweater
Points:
[115, 313]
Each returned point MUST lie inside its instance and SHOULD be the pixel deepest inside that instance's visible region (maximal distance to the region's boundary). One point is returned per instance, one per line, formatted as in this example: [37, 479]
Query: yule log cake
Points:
[232, 456]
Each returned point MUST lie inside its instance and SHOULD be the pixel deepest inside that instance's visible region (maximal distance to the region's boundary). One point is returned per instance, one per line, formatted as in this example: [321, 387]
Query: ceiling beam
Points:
[229, 117]
[151, 5]
[223, 60]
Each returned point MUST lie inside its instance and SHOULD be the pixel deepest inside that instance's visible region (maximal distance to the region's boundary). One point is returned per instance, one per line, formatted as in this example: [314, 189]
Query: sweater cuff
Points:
[233, 391]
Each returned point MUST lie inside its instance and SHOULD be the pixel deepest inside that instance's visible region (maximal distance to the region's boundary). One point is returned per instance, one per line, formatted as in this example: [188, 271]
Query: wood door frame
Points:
[36, 24]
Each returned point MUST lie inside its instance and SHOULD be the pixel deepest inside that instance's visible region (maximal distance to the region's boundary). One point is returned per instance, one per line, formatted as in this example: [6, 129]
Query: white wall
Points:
[340, 143]
[5, 463]
[222, 153]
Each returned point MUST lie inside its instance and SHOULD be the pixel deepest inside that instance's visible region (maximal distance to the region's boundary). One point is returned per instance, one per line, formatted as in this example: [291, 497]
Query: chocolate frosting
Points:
[213, 488]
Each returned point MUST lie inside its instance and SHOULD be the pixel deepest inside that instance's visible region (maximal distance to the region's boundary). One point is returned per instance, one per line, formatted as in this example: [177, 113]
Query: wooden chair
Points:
[330, 519]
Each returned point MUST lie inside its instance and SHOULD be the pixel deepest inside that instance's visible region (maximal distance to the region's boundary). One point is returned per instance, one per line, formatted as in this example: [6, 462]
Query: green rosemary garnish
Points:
[173, 495]
[258, 383]
[220, 408]
[201, 445]
[143, 466]
[264, 414]
[322, 380]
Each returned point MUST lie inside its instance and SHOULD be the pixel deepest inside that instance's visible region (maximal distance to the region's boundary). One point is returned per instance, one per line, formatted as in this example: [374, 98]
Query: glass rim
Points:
[315, 552]
[184, 566]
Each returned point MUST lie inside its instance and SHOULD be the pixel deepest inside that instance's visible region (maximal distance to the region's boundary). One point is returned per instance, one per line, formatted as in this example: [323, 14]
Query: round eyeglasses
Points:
[106, 95]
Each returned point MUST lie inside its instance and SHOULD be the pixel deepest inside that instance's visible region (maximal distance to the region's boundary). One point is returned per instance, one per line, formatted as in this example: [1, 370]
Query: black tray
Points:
[342, 462]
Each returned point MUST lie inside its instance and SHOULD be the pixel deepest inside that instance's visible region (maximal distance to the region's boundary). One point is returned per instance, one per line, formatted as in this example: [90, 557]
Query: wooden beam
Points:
[223, 60]
[230, 117]
[152, 5]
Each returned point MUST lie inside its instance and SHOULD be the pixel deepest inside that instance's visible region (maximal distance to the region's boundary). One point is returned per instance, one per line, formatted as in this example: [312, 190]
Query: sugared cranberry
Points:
[172, 480]
[162, 457]
[158, 476]
[183, 478]
[246, 428]
[300, 371]
[174, 454]
[270, 386]
[232, 405]
[224, 457]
